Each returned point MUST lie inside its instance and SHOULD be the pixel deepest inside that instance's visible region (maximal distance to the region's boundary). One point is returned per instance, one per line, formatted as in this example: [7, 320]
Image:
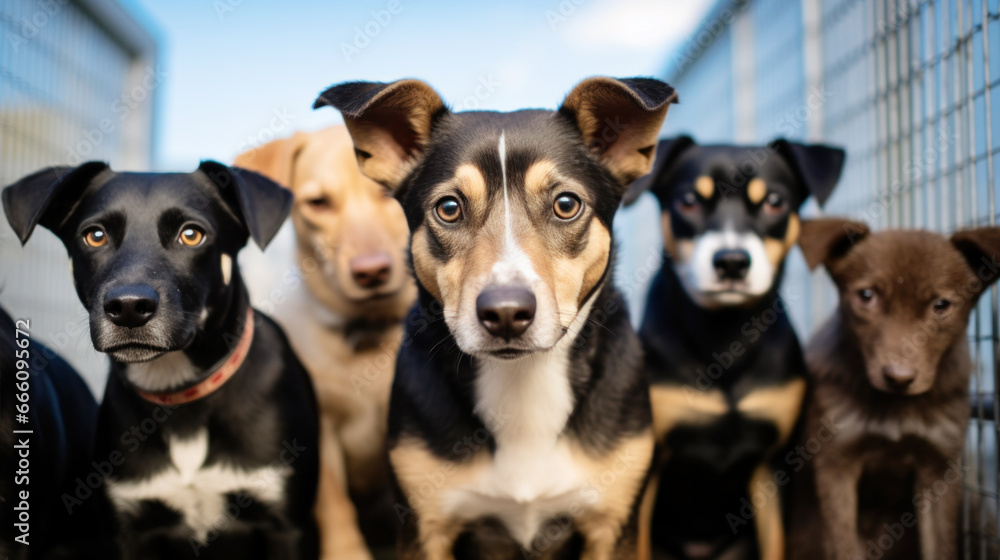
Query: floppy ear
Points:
[818, 166]
[275, 160]
[667, 152]
[390, 124]
[620, 121]
[47, 197]
[260, 202]
[825, 240]
[980, 247]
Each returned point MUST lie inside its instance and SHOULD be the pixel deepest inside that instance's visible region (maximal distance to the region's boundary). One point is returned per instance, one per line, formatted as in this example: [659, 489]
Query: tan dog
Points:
[346, 326]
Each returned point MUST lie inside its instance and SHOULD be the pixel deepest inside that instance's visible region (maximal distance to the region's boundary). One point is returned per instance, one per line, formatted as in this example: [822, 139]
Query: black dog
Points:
[519, 422]
[208, 418]
[727, 370]
[46, 439]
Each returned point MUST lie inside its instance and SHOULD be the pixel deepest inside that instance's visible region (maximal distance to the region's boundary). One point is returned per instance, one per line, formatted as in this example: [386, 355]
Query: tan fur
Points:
[630, 154]
[777, 249]
[669, 241]
[673, 404]
[756, 190]
[705, 186]
[768, 522]
[540, 176]
[352, 377]
[388, 163]
[617, 476]
[781, 405]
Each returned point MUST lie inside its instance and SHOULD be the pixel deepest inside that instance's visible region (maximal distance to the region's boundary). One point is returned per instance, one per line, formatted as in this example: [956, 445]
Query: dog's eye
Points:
[567, 206]
[774, 203]
[688, 201]
[866, 296]
[941, 305]
[95, 237]
[191, 237]
[319, 203]
[449, 210]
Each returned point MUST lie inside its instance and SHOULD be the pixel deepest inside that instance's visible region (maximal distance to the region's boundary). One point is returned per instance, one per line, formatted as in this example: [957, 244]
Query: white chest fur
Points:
[196, 491]
[533, 474]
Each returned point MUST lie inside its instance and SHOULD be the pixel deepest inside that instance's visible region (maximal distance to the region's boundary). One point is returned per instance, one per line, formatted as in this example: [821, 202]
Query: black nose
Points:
[506, 311]
[130, 306]
[731, 264]
[899, 377]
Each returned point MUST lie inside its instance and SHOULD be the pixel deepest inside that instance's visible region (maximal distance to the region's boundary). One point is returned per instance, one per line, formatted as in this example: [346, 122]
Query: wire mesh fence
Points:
[912, 89]
[76, 81]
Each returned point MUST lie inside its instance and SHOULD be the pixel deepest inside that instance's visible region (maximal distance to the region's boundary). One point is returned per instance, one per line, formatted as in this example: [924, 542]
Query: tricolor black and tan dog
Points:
[519, 421]
[727, 370]
[208, 429]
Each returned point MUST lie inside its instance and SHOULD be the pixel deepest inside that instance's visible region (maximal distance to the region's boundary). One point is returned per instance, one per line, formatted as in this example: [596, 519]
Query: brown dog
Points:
[890, 405]
[346, 325]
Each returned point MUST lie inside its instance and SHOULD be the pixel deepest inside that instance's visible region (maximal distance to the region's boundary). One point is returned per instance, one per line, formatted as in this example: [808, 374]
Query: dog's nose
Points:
[506, 311]
[371, 271]
[899, 377]
[130, 306]
[731, 264]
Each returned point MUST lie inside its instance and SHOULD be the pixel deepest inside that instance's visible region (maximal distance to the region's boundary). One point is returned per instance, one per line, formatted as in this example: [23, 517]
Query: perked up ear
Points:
[667, 152]
[818, 166]
[390, 124]
[825, 240]
[620, 121]
[980, 247]
[260, 202]
[47, 197]
[276, 159]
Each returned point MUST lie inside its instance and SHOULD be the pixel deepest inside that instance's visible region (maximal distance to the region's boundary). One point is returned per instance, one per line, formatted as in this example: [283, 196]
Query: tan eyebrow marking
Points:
[705, 186]
[471, 182]
[756, 189]
[539, 175]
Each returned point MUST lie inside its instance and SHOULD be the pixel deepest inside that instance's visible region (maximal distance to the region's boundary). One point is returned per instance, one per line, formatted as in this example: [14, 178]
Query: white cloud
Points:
[627, 24]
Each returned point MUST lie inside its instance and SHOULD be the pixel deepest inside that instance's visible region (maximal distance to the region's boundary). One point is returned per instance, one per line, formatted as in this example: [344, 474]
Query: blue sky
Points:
[239, 72]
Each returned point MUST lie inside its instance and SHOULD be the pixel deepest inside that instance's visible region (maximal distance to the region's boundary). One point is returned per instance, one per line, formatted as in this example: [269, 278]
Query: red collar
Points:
[216, 379]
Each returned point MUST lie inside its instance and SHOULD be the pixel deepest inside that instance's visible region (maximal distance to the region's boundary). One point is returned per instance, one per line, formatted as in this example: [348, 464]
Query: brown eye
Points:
[95, 237]
[319, 203]
[941, 305]
[191, 237]
[449, 210]
[866, 296]
[774, 203]
[687, 202]
[567, 206]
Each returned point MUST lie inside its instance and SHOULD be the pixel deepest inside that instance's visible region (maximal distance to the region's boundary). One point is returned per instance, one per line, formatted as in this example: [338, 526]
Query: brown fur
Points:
[893, 435]
[346, 338]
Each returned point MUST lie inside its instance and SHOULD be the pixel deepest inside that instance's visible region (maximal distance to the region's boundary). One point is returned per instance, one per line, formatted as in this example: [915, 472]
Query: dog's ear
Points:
[825, 240]
[276, 159]
[620, 121]
[818, 166]
[390, 124]
[47, 197]
[668, 151]
[260, 202]
[981, 249]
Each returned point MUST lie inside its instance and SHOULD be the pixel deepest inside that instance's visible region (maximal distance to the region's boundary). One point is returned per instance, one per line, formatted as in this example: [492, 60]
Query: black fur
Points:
[705, 480]
[62, 415]
[264, 415]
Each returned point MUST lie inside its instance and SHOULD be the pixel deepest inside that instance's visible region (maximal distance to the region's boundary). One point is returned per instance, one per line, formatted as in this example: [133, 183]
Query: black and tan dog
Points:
[727, 370]
[207, 433]
[519, 421]
[891, 370]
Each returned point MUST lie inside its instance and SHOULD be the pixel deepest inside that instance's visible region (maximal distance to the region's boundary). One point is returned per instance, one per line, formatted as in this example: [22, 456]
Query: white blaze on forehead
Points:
[227, 268]
[514, 264]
